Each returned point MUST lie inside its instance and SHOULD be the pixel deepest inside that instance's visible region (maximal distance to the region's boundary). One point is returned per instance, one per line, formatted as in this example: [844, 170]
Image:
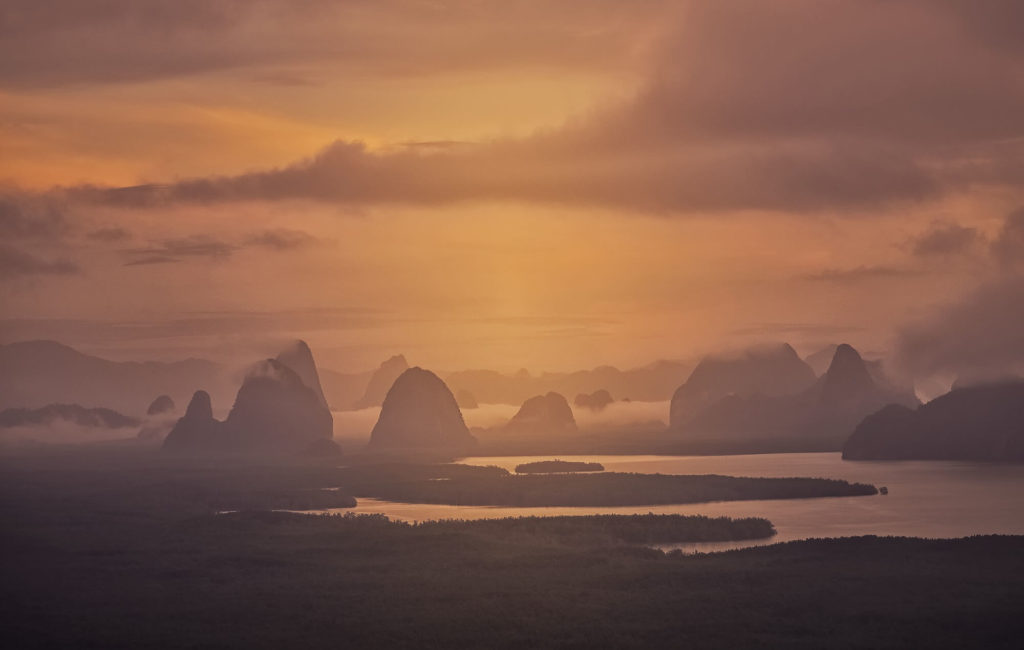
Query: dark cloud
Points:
[61, 42]
[782, 329]
[807, 106]
[859, 274]
[152, 259]
[436, 145]
[1008, 246]
[787, 176]
[282, 78]
[945, 239]
[174, 250]
[31, 218]
[15, 263]
[169, 251]
[109, 234]
[976, 338]
[281, 239]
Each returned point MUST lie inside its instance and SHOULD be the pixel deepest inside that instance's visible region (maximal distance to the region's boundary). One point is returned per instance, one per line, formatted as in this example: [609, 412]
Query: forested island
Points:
[557, 467]
[455, 484]
[630, 529]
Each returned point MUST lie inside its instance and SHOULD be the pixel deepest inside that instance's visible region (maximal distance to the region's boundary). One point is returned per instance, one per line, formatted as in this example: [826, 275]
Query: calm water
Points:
[926, 498]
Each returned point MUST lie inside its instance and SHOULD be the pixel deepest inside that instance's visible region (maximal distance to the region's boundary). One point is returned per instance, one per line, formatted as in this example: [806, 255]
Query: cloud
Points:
[1008, 246]
[807, 107]
[281, 239]
[109, 234]
[783, 329]
[858, 274]
[15, 263]
[977, 337]
[944, 239]
[152, 259]
[64, 42]
[174, 250]
[26, 217]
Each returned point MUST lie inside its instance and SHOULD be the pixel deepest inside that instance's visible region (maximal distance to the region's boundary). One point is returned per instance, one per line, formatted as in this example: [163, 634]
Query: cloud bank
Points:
[798, 107]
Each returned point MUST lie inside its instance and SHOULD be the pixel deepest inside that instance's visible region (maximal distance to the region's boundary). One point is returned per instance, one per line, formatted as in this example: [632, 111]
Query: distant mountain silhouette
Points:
[381, 382]
[596, 401]
[820, 361]
[343, 389]
[976, 423]
[763, 371]
[466, 400]
[420, 411]
[73, 413]
[162, 404]
[275, 410]
[543, 414]
[299, 358]
[826, 412]
[36, 373]
[652, 383]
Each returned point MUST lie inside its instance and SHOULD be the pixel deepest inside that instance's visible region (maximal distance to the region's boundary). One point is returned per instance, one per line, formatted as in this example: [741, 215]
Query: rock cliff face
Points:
[847, 378]
[767, 371]
[197, 429]
[543, 414]
[299, 358]
[420, 411]
[976, 423]
[274, 409]
[381, 381]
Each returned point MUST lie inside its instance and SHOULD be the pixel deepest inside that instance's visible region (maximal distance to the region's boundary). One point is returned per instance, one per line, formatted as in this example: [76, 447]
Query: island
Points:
[557, 467]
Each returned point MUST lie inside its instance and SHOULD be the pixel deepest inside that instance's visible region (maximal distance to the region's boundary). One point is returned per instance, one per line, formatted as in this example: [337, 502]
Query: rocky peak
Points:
[299, 358]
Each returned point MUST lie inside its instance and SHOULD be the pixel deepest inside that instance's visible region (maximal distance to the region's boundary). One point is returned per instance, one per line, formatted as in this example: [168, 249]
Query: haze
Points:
[505, 185]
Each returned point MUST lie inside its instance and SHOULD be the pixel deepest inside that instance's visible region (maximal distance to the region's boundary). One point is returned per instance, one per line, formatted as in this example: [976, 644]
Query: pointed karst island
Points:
[984, 422]
[767, 370]
[381, 381]
[275, 410]
[299, 358]
[197, 429]
[847, 378]
[420, 412]
[596, 401]
[542, 415]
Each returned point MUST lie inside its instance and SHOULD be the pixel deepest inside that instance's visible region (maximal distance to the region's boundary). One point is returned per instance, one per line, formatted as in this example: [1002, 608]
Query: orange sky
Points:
[485, 184]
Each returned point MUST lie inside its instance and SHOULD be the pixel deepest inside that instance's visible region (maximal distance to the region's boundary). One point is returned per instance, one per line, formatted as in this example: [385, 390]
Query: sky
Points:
[515, 184]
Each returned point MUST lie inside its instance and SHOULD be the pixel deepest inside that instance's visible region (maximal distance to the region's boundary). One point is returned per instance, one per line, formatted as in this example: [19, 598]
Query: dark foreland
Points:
[124, 549]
